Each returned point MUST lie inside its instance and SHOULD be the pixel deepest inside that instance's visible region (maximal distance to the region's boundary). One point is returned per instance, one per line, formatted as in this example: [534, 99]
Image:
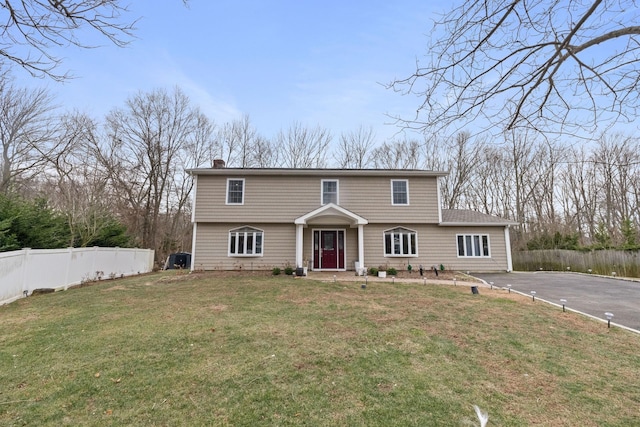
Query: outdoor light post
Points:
[609, 316]
[564, 302]
[533, 294]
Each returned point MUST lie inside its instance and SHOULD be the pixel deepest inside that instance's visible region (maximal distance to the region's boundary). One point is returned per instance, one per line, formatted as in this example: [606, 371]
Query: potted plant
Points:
[382, 271]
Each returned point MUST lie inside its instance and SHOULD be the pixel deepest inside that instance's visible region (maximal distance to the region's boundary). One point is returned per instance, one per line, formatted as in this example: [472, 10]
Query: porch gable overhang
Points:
[331, 210]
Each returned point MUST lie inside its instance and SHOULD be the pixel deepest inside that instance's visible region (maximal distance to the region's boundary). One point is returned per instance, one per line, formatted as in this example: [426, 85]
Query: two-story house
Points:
[336, 220]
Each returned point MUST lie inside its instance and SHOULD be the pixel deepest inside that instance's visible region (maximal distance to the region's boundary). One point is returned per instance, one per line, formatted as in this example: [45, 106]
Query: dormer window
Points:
[329, 191]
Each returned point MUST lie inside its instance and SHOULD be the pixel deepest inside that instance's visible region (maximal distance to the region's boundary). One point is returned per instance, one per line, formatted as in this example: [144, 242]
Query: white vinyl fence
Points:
[21, 272]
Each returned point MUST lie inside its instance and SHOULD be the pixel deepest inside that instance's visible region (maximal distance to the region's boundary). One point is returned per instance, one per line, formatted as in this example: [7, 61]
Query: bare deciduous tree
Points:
[554, 66]
[460, 159]
[354, 149]
[397, 155]
[149, 145]
[27, 133]
[303, 147]
[239, 145]
[32, 28]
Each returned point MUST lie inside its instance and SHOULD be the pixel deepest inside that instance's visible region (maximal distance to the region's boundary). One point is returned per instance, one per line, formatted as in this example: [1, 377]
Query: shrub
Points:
[373, 271]
[392, 271]
[288, 271]
[275, 271]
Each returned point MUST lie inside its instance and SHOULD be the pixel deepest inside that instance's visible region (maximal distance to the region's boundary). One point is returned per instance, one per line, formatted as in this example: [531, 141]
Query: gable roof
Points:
[332, 210]
[315, 172]
[460, 217]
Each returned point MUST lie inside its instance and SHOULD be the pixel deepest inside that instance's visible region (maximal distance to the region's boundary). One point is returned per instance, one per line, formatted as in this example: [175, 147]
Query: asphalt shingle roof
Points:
[468, 217]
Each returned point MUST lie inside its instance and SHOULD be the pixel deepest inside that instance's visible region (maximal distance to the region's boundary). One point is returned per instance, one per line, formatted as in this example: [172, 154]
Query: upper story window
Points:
[473, 245]
[399, 192]
[329, 191]
[235, 191]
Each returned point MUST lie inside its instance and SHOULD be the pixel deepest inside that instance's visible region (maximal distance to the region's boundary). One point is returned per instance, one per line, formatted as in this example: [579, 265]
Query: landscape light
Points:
[533, 293]
[454, 282]
[509, 287]
[334, 278]
[393, 279]
[563, 302]
[609, 317]
[491, 284]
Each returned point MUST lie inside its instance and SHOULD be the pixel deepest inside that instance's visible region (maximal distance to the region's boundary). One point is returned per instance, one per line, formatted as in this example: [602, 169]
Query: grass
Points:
[172, 349]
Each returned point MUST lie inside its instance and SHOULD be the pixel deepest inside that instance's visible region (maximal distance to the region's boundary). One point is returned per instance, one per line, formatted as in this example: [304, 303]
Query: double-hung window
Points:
[473, 245]
[235, 191]
[399, 192]
[329, 191]
[245, 241]
[400, 242]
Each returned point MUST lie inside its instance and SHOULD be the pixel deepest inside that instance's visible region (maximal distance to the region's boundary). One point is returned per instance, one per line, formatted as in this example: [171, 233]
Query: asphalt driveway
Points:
[592, 295]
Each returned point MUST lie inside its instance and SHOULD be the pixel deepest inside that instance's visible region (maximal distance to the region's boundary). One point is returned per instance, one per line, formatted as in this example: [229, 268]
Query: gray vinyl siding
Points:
[285, 198]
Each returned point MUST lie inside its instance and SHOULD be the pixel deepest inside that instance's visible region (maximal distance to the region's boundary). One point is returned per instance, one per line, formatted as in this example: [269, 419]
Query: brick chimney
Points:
[218, 164]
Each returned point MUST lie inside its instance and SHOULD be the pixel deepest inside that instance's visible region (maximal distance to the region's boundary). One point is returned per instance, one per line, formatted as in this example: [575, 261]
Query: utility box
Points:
[178, 260]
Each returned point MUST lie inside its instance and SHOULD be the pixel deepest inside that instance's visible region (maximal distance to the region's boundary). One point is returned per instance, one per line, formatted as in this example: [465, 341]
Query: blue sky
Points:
[318, 63]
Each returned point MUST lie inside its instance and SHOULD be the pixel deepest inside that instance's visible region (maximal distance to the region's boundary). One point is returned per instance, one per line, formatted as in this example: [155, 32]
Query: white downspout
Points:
[507, 245]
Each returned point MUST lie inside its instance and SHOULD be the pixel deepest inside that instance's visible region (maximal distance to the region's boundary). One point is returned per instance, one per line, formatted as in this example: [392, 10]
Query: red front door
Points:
[328, 249]
[328, 243]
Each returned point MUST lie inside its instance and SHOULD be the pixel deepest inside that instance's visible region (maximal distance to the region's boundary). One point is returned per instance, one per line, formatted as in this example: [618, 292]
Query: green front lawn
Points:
[173, 349]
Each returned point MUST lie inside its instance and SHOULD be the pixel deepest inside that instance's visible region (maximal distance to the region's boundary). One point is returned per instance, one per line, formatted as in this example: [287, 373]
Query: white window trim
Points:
[244, 190]
[245, 255]
[337, 190]
[406, 181]
[466, 251]
[384, 243]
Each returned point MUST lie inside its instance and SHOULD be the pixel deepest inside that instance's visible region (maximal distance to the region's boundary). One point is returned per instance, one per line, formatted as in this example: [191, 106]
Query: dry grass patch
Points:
[251, 349]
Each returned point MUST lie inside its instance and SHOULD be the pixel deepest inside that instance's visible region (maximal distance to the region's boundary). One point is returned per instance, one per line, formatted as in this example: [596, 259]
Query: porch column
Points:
[361, 245]
[507, 245]
[299, 245]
